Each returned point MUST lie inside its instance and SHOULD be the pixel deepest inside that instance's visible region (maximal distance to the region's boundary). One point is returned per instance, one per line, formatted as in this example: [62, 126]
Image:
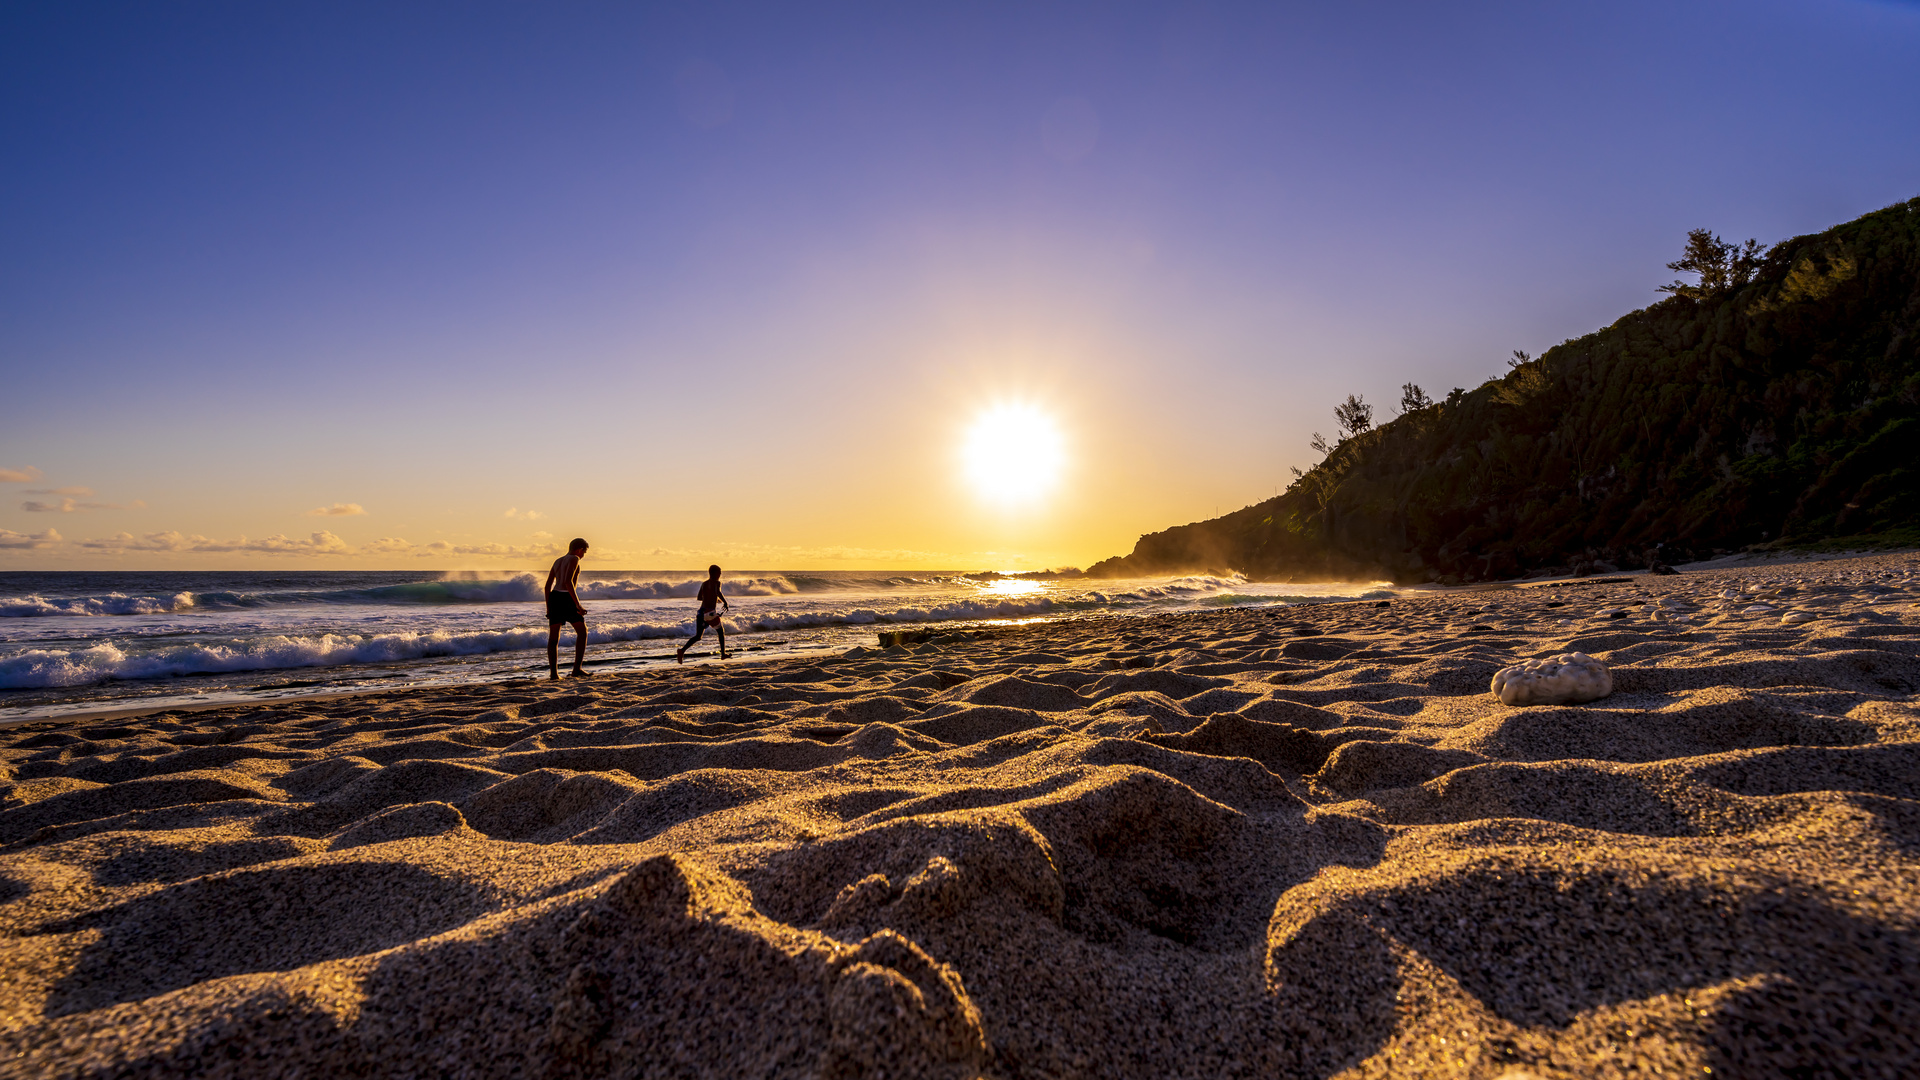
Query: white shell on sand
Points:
[1569, 677]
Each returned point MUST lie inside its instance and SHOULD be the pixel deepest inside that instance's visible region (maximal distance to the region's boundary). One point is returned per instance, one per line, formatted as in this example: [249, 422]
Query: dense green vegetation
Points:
[1776, 401]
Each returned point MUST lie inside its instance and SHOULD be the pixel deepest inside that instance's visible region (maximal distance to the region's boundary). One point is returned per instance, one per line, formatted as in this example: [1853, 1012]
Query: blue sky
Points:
[732, 282]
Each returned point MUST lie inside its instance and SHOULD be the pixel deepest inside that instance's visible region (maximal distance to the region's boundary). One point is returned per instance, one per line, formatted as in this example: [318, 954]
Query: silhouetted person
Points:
[563, 606]
[709, 616]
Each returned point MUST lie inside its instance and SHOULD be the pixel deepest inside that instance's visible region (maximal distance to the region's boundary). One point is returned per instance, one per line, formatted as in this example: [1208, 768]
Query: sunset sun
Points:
[1013, 453]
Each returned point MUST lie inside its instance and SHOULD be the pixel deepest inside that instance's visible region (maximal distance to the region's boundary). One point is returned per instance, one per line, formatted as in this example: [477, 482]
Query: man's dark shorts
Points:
[562, 609]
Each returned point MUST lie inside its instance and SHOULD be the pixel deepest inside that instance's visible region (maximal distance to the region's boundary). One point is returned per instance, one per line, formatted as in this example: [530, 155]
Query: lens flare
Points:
[1014, 453]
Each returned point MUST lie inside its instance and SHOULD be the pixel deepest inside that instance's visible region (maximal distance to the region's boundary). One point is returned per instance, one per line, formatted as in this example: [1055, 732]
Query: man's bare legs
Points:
[579, 649]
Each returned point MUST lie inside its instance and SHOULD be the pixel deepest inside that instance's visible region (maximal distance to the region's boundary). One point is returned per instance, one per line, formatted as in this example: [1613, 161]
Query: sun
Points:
[1013, 453]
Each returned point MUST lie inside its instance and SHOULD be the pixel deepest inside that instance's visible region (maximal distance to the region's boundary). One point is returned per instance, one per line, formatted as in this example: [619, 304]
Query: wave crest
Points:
[37, 669]
[34, 605]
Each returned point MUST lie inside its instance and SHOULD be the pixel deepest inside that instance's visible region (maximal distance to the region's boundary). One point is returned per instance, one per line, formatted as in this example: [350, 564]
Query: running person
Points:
[709, 597]
[563, 606]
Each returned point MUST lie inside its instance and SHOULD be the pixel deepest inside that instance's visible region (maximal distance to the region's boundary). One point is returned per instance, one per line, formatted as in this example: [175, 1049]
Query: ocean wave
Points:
[1180, 588]
[461, 589]
[42, 668]
[525, 588]
[629, 589]
[959, 611]
[808, 583]
[34, 605]
[46, 668]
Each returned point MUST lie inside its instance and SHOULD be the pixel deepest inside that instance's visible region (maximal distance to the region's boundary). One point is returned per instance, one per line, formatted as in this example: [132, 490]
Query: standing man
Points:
[563, 606]
[709, 597]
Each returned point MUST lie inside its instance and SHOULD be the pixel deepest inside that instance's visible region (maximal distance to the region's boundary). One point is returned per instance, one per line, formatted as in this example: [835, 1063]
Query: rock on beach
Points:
[1561, 680]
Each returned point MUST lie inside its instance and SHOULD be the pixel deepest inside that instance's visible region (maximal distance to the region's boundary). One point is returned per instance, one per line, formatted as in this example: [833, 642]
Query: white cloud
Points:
[394, 545]
[126, 541]
[858, 556]
[494, 551]
[320, 543]
[19, 476]
[516, 513]
[74, 506]
[316, 544]
[337, 510]
[11, 539]
[80, 491]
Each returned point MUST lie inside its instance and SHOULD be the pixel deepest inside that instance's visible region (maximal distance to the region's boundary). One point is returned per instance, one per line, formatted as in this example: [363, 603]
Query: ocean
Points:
[96, 640]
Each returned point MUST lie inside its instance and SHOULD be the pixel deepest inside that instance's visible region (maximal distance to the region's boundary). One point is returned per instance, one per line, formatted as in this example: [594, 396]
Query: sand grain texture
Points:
[1293, 842]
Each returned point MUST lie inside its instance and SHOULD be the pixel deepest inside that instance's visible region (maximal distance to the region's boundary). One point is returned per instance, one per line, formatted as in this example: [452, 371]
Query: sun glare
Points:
[1013, 453]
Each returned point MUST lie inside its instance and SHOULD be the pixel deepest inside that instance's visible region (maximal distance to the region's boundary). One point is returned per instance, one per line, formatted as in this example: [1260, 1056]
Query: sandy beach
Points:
[1286, 841]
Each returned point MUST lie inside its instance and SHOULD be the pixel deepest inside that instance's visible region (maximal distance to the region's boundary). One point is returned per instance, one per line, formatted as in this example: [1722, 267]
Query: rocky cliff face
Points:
[1787, 407]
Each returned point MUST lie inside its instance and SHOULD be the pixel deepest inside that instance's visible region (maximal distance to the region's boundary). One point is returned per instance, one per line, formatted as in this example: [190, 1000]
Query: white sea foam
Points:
[960, 611]
[38, 668]
[629, 589]
[34, 605]
[41, 668]
[1182, 588]
[259, 623]
[525, 588]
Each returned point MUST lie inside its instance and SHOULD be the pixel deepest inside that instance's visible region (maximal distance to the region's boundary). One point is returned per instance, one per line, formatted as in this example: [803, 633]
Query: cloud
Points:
[126, 541]
[394, 545]
[11, 539]
[320, 543]
[316, 544]
[859, 556]
[19, 476]
[71, 506]
[524, 515]
[81, 491]
[337, 510]
[496, 551]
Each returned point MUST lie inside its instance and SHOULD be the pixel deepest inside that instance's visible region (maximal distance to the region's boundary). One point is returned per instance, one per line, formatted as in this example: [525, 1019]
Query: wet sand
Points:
[1262, 842]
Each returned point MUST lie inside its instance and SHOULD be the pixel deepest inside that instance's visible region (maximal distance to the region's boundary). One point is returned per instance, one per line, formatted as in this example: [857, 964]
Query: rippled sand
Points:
[1292, 842]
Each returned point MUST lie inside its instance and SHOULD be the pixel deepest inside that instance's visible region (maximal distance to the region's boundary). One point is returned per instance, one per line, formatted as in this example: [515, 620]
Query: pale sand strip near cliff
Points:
[1263, 842]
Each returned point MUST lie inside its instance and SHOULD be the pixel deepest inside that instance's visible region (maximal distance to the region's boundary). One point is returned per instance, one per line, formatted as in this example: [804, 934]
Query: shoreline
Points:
[1737, 561]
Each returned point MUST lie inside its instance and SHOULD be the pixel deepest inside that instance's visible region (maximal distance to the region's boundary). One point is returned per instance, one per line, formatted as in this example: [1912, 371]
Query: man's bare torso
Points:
[565, 573]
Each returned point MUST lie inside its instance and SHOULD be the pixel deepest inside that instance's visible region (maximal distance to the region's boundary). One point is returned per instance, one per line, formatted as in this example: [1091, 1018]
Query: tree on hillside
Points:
[1721, 267]
[1520, 357]
[1354, 416]
[1412, 398]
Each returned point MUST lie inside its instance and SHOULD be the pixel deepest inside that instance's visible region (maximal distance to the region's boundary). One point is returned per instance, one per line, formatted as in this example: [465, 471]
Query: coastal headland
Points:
[1776, 402]
[1295, 841]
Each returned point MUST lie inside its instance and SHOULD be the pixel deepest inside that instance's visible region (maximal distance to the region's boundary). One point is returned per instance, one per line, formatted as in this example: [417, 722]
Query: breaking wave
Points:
[45, 668]
[33, 605]
[1181, 588]
[519, 589]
